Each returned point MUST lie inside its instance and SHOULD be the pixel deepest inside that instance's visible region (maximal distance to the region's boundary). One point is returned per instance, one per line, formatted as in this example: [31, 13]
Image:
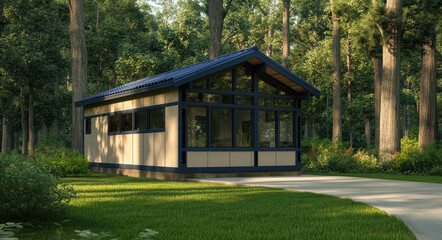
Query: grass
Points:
[400, 177]
[126, 206]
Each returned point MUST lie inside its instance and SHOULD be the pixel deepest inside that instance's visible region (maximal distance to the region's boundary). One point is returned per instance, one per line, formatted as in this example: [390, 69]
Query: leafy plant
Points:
[28, 191]
[88, 234]
[146, 234]
[9, 229]
[61, 161]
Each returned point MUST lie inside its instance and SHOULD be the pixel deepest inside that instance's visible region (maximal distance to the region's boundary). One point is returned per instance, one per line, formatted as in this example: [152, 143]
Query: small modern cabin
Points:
[238, 114]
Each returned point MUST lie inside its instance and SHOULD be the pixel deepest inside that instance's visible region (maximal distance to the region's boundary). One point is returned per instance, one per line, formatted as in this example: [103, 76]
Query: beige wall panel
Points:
[171, 141]
[88, 145]
[88, 111]
[285, 158]
[127, 105]
[172, 95]
[197, 159]
[138, 149]
[241, 159]
[159, 148]
[126, 141]
[115, 107]
[112, 150]
[93, 144]
[102, 139]
[267, 158]
[159, 99]
[116, 154]
[149, 146]
[219, 159]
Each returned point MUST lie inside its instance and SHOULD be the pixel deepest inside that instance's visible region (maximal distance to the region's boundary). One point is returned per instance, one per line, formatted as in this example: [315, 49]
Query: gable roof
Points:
[184, 75]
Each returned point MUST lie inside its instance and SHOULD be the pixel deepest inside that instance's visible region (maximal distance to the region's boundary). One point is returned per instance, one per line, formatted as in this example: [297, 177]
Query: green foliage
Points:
[410, 160]
[27, 191]
[9, 229]
[61, 161]
[88, 234]
[147, 234]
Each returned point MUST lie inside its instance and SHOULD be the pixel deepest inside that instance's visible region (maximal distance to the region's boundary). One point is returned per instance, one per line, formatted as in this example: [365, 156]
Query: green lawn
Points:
[413, 178]
[125, 206]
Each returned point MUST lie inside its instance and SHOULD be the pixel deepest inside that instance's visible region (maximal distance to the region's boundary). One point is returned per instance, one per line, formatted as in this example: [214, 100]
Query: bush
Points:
[61, 161]
[436, 171]
[410, 160]
[28, 191]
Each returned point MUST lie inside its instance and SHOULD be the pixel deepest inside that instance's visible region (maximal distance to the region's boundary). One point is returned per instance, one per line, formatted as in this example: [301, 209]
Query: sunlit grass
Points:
[125, 206]
[400, 177]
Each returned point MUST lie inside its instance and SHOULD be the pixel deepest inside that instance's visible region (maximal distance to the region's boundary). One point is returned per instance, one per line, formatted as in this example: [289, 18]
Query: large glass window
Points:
[210, 98]
[141, 120]
[264, 87]
[222, 81]
[243, 79]
[196, 127]
[286, 129]
[127, 122]
[221, 125]
[266, 128]
[244, 100]
[156, 118]
[244, 128]
[114, 124]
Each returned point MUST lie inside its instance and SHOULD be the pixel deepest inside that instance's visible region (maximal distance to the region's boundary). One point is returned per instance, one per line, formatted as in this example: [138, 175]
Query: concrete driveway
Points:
[418, 204]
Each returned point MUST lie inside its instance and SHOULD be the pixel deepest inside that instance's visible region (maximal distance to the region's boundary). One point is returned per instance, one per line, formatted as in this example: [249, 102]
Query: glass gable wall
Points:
[239, 109]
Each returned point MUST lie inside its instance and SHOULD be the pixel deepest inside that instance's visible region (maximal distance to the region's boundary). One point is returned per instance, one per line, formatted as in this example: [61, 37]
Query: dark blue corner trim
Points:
[198, 170]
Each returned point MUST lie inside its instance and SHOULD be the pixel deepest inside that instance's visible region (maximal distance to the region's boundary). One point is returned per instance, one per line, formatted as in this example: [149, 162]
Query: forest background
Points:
[336, 45]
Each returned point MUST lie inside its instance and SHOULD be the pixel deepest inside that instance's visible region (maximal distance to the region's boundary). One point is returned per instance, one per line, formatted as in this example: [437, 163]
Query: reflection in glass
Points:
[264, 87]
[222, 81]
[243, 79]
[221, 127]
[243, 128]
[114, 123]
[140, 120]
[286, 129]
[266, 128]
[156, 118]
[127, 121]
[210, 98]
[196, 127]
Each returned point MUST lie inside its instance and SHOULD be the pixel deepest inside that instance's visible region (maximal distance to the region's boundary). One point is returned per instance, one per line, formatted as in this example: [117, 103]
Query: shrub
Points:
[61, 161]
[436, 171]
[410, 160]
[28, 191]
[368, 162]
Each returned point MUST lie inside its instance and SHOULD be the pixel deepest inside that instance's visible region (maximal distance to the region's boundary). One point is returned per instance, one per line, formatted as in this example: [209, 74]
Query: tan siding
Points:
[88, 144]
[127, 105]
[219, 159]
[172, 96]
[159, 148]
[126, 142]
[241, 159]
[159, 99]
[267, 158]
[286, 158]
[171, 140]
[88, 111]
[149, 147]
[197, 159]
[103, 139]
[138, 149]
[114, 107]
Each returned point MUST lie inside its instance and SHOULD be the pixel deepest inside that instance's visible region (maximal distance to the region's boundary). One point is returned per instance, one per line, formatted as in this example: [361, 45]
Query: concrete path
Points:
[418, 204]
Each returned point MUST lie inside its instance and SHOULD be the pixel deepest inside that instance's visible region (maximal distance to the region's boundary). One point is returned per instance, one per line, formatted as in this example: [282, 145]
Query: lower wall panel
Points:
[200, 159]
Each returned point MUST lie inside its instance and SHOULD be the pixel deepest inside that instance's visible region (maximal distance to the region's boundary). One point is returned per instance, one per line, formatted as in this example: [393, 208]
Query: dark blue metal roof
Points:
[184, 75]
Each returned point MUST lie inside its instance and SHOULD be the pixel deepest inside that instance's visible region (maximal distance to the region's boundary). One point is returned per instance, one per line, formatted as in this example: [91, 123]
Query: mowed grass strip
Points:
[399, 177]
[126, 206]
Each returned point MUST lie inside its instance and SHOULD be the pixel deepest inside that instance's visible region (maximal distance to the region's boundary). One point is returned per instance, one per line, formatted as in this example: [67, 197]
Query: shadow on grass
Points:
[183, 210]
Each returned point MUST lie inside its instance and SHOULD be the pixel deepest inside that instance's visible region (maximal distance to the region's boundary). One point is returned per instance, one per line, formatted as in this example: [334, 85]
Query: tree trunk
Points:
[427, 95]
[24, 127]
[4, 134]
[377, 65]
[216, 19]
[406, 110]
[31, 123]
[16, 140]
[44, 131]
[286, 33]
[269, 51]
[337, 108]
[389, 141]
[349, 86]
[11, 141]
[54, 127]
[78, 70]
[367, 132]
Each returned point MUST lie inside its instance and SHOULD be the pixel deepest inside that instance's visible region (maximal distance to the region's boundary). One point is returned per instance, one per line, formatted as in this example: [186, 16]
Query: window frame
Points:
[282, 92]
[88, 121]
[133, 111]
